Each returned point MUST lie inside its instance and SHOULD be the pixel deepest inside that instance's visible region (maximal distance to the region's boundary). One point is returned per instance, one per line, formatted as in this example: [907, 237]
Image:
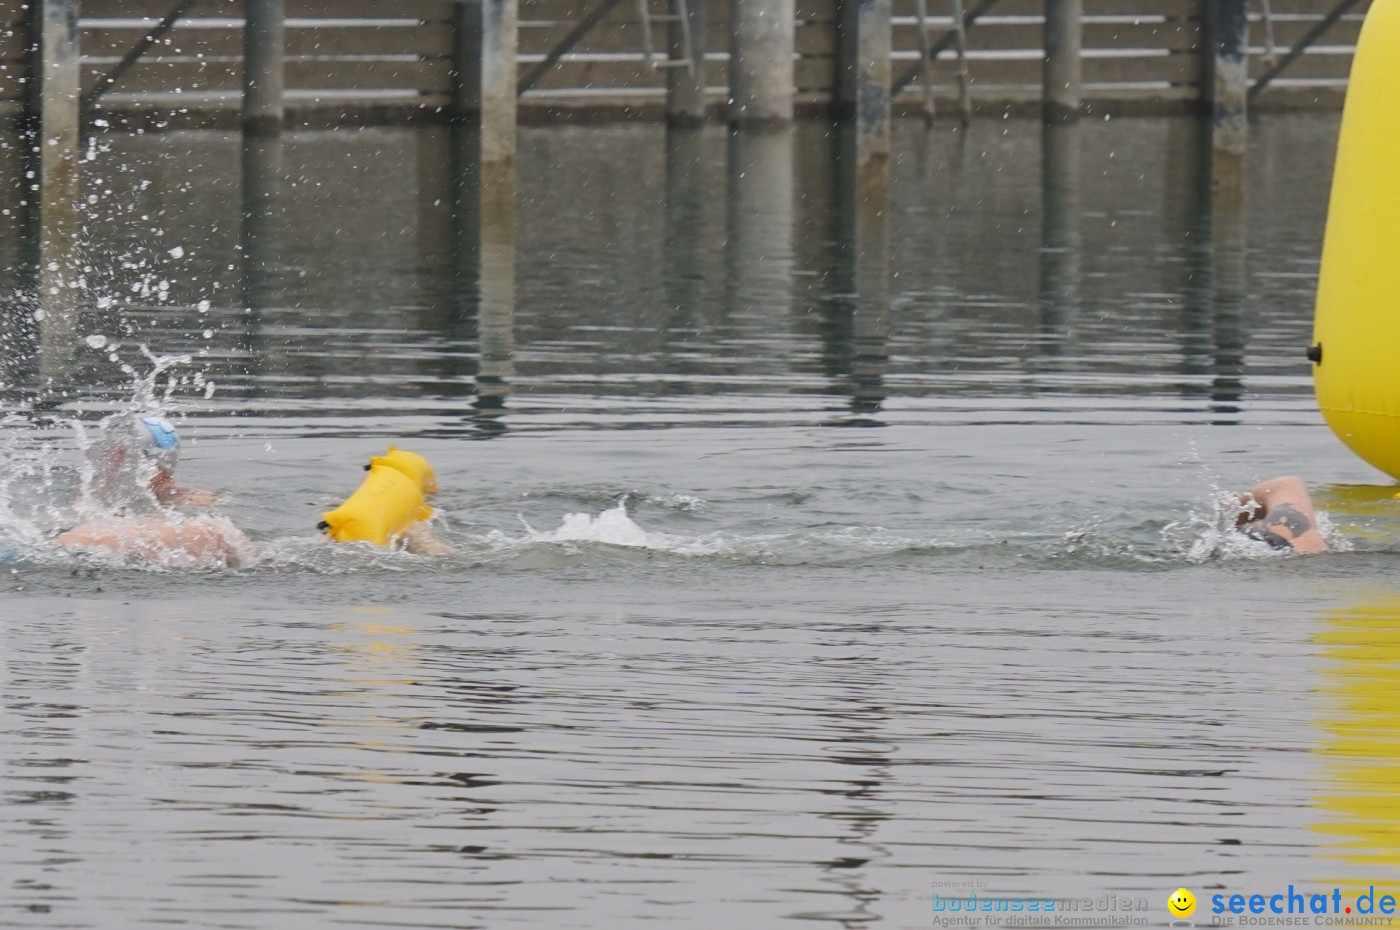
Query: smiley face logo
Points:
[1182, 903]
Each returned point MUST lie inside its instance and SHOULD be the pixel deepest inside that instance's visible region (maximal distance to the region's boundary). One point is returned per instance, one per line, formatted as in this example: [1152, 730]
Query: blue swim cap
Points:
[124, 438]
[162, 432]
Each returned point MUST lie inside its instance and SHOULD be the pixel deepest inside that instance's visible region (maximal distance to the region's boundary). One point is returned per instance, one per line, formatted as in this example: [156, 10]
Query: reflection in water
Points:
[42, 691]
[685, 234]
[1229, 296]
[1186, 221]
[1211, 222]
[448, 292]
[484, 208]
[260, 241]
[1062, 243]
[864, 248]
[758, 249]
[858, 718]
[609, 234]
[1362, 735]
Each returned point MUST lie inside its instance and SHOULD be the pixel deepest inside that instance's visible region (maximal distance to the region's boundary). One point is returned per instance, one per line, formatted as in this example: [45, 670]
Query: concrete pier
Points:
[1229, 84]
[864, 85]
[488, 39]
[762, 76]
[685, 87]
[486, 91]
[1228, 277]
[263, 66]
[1064, 34]
[56, 187]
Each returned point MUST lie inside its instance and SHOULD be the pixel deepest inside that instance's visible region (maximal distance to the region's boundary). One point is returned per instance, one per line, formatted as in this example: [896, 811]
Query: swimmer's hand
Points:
[172, 495]
[419, 540]
[194, 497]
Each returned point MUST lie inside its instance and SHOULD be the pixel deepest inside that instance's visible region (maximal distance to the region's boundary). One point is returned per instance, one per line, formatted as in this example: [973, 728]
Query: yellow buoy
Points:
[386, 503]
[1356, 331]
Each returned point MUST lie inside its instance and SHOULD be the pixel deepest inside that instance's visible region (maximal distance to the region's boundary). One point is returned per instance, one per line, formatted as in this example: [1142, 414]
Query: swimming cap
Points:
[125, 443]
[163, 446]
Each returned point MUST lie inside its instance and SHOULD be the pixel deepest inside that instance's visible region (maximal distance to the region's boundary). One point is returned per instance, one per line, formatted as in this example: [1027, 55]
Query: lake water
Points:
[787, 591]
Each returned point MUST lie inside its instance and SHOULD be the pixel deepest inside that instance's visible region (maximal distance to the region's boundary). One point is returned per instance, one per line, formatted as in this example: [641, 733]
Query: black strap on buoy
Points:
[1315, 354]
[323, 526]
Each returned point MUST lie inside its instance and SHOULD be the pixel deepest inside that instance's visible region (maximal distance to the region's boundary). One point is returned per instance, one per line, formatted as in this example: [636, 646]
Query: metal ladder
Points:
[926, 55]
[1266, 13]
[677, 14]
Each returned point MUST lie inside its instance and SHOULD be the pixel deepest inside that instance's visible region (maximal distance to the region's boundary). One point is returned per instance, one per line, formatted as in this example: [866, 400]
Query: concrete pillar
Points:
[864, 84]
[487, 46]
[685, 87]
[762, 76]
[55, 100]
[263, 51]
[1064, 30]
[863, 191]
[1229, 140]
[1061, 253]
[1229, 44]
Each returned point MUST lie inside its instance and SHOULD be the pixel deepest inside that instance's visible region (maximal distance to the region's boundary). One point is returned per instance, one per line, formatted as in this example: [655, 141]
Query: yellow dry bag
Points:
[412, 465]
[386, 503]
[1356, 330]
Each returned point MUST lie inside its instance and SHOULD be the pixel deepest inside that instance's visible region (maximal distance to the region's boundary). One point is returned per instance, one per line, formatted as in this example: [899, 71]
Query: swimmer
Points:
[132, 486]
[1280, 513]
[420, 540]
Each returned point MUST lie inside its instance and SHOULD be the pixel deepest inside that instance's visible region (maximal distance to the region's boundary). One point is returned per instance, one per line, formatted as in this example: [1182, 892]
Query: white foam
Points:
[611, 527]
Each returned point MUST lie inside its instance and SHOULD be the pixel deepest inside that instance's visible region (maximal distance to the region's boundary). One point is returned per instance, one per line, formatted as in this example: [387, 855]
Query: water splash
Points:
[51, 510]
[611, 527]
[1214, 533]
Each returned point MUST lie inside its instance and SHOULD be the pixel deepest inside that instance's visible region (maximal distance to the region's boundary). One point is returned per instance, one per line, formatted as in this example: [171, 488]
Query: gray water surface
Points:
[783, 595]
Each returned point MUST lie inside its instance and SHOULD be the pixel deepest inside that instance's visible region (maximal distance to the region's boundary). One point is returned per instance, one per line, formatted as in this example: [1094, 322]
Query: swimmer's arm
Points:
[420, 540]
[202, 537]
[172, 495]
[1287, 510]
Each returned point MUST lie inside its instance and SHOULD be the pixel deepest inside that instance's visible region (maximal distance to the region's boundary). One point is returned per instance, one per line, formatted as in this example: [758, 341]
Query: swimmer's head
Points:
[132, 450]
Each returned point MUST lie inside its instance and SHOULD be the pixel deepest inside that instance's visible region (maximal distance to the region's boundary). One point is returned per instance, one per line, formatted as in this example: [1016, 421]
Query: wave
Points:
[613, 535]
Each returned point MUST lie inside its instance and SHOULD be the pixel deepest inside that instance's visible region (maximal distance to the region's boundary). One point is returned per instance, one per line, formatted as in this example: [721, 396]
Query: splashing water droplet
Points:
[177, 252]
[96, 341]
[208, 334]
[203, 306]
